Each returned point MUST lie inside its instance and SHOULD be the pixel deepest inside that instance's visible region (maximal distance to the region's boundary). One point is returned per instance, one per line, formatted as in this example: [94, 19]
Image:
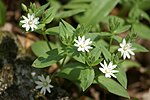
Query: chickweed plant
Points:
[87, 54]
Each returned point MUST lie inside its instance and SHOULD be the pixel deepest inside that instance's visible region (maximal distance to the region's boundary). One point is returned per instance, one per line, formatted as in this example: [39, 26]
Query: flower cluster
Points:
[125, 49]
[44, 83]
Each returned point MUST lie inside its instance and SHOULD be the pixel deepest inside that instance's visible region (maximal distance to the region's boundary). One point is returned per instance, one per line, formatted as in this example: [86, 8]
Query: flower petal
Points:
[102, 70]
[107, 75]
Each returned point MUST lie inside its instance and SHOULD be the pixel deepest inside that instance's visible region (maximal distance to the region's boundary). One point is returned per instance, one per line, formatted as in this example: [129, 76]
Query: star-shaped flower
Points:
[108, 69]
[83, 44]
[29, 22]
[126, 49]
[44, 84]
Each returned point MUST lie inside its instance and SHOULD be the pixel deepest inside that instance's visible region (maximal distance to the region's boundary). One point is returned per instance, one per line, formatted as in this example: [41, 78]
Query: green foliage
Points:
[142, 31]
[2, 13]
[121, 77]
[80, 1]
[52, 31]
[66, 32]
[40, 10]
[76, 6]
[137, 13]
[94, 57]
[105, 52]
[104, 31]
[112, 86]
[78, 73]
[79, 57]
[96, 12]
[116, 25]
[64, 14]
[47, 59]
[41, 47]
[139, 48]
[128, 63]
[49, 15]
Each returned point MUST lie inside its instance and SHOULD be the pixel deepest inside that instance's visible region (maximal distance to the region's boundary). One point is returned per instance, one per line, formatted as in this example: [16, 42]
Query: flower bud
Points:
[24, 7]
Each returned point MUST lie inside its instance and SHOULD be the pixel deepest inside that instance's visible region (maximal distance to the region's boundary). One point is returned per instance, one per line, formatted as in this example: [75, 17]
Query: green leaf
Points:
[70, 71]
[105, 52]
[47, 59]
[144, 4]
[121, 77]
[39, 11]
[136, 13]
[144, 15]
[80, 1]
[112, 86]
[50, 13]
[79, 58]
[100, 41]
[129, 63]
[39, 48]
[92, 36]
[86, 78]
[40, 26]
[97, 10]
[114, 23]
[79, 74]
[76, 6]
[2, 13]
[142, 30]
[32, 7]
[139, 48]
[122, 29]
[52, 31]
[64, 14]
[94, 57]
[96, 53]
[65, 29]
[117, 38]
[105, 34]
[113, 48]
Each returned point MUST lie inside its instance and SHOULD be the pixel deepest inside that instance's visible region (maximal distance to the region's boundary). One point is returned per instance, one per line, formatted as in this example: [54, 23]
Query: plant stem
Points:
[110, 43]
[63, 61]
[45, 37]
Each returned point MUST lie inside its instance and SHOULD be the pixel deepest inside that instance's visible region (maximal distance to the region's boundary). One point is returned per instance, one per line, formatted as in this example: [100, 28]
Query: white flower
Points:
[108, 69]
[30, 22]
[126, 49]
[82, 44]
[44, 84]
